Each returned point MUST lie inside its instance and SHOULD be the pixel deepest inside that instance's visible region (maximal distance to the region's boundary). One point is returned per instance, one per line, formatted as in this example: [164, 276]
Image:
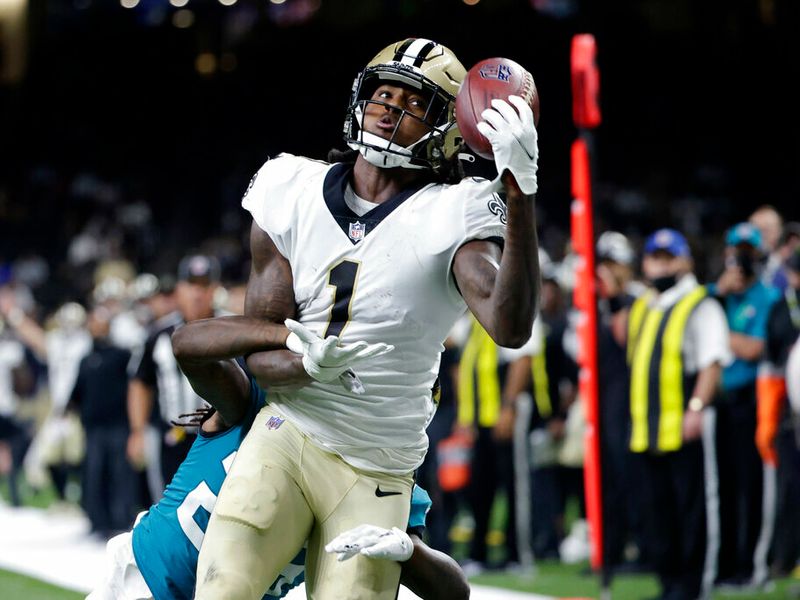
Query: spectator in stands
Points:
[157, 381]
[100, 396]
[747, 303]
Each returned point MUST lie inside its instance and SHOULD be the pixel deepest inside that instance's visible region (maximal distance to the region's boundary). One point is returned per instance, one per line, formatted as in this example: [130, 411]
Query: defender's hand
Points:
[326, 359]
[514, 140]
[374, 542]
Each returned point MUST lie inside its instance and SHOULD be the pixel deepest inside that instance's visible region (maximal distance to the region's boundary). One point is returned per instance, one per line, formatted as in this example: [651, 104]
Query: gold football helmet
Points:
[424, 65]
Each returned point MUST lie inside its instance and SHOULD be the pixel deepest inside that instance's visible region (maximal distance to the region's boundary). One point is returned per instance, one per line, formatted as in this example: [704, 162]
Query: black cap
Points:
[199, 268]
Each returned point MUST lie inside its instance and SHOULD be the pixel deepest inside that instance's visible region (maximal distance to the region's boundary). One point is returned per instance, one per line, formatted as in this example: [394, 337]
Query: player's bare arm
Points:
[205, 350]
[270, 297]
[432, 574]
[501, 287]
[427, 572]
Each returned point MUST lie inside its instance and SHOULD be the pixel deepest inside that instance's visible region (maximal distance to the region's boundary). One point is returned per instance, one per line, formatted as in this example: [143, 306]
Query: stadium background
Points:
[697, 112]
[171, 109]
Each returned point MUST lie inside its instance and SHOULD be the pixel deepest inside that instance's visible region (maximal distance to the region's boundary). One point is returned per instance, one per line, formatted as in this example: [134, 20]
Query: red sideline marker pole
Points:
[586, 115]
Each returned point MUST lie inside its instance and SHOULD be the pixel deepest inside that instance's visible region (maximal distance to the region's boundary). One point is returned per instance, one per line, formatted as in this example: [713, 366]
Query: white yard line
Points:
[55, 547]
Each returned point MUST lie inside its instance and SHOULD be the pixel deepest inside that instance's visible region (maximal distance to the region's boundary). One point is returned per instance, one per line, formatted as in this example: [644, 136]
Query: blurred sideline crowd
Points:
[697, 380]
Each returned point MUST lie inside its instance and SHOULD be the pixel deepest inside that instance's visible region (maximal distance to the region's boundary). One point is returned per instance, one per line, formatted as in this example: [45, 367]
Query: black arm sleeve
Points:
[143, 367]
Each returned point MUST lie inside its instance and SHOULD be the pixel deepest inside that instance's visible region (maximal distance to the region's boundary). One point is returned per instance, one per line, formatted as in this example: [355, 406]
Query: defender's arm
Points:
[205, 350]
[431, 574]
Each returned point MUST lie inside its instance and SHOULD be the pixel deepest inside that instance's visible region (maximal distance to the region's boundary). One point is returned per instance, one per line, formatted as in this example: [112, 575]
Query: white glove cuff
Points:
[407, 545]
[528, 184]
[321, 374]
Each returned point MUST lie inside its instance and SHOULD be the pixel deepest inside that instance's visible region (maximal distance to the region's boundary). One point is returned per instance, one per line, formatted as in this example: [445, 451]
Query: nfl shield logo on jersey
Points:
[357, 231]
[274, 422]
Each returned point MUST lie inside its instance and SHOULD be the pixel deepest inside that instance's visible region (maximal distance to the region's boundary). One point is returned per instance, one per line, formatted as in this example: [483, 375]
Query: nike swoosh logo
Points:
[380, 493]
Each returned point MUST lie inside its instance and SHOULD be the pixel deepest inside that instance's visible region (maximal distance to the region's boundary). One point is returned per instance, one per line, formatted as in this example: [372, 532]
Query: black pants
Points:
[492, 470]
[740, 483]
[109, 483]
[622, 506]
[672, 489]
[546, 512]
[18, 440]
[786, 540]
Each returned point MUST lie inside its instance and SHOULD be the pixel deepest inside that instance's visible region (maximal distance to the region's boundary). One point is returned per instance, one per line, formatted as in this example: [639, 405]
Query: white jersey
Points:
[12, 355]
[65, 349]
[381, 277]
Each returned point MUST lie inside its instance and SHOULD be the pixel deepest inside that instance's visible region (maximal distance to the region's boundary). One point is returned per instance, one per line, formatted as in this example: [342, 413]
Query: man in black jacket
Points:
[100, 396]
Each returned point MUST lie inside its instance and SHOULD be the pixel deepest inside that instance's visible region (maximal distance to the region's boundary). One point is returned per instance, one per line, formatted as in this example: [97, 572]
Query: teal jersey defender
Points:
[166, 541]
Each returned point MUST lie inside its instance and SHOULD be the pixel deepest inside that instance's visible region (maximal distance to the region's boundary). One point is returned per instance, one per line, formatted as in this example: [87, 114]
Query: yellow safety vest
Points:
[541, 382]
[478, 368]
[658, 382]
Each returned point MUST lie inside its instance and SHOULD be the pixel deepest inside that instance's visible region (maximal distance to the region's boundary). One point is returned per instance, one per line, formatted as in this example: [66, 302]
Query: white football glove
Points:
[325, 359]
[374, 542]
[515, 143]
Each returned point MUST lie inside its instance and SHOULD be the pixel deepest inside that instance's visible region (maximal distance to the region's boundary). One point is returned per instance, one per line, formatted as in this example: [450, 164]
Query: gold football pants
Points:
[283, 490]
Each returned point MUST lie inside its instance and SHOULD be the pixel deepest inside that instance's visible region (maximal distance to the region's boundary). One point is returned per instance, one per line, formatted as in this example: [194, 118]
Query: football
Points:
[491, 78]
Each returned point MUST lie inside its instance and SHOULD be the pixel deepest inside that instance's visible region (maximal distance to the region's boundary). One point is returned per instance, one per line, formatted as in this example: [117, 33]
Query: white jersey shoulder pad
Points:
[276, 190]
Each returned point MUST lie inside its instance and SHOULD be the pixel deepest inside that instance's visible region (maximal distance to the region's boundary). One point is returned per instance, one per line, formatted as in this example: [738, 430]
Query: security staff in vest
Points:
[677, 346]
[748, 303]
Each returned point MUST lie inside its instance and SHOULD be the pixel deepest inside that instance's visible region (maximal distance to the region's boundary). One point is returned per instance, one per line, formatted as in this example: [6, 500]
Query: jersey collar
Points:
[355, 227]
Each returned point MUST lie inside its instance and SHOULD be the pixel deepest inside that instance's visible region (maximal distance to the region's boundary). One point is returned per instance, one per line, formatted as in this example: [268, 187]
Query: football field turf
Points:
[51, 544]
[18, 587]
[552, 579]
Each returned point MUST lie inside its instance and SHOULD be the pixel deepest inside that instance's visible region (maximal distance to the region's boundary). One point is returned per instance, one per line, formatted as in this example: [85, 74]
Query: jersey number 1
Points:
[342, 277]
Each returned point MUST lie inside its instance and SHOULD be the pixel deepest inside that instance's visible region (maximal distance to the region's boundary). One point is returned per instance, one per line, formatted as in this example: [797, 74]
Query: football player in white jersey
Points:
[389, 248]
